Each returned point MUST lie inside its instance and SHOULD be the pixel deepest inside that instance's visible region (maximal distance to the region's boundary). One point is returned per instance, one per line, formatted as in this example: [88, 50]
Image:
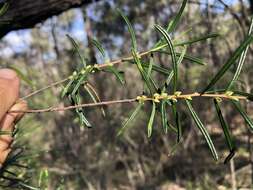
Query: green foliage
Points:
[130, 119]
[225, 128]
[173, 55]
[238, 52]
[202, 130]
[162, 102]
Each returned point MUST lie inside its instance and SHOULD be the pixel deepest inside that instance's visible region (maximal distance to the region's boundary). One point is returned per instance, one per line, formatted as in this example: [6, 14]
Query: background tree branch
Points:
[24, 14]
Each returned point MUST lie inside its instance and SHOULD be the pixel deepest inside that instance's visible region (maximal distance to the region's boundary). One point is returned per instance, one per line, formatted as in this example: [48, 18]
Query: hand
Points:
[9, 94]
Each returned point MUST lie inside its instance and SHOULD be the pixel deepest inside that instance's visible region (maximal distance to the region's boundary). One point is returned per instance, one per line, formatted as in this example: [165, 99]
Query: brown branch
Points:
[139, 98]
[115, 62]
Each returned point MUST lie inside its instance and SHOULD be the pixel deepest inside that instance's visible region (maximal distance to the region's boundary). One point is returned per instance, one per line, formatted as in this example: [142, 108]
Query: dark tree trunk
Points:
[251, 6]
[26, 13]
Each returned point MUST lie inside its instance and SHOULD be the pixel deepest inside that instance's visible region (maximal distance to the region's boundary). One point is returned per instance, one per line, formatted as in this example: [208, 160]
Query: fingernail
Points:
[7, 74]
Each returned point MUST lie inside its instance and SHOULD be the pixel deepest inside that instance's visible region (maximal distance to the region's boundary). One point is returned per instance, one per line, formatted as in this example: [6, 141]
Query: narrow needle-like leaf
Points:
[179, 61]
[243, 114]
[130, 119]
[202, 130]
[176, 20]
[173, 55]
[4, 9]
[241, 60]
[178, 123]
[130, 29]
[99, 47]
[225, 128]
[151, 120]
[77, 49]
[164, 117]
[230, 62]
[173, 24]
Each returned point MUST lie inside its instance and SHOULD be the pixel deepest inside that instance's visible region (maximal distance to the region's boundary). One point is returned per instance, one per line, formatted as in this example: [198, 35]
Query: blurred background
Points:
[96, 158]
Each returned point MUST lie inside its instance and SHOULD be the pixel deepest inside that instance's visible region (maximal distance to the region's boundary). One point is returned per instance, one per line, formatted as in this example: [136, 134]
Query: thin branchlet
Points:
[155, 98]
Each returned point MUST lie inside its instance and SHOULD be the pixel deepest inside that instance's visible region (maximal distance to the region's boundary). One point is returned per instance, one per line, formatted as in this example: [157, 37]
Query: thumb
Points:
[9, 90]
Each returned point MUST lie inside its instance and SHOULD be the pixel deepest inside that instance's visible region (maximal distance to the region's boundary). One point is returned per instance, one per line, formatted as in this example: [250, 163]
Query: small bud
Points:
[229, 93]
[234, 98]
[188, 98]
[74, 74]
[174, 99]
[83, 71]
[218, 99]
[177, 93]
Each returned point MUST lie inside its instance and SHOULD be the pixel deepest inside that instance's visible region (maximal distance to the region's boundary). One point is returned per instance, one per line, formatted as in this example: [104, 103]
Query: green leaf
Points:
[173, 56]
[66, 89]
[176, 20]
[178, 123]
[22, 76]
[76, 99]
[243, 114]
[79, 83]
[151, 120]
[164, 116]
[186, 57]
[77, 50]
[172, 72]
[198, 39]
[94, 95]
[224, 125]
[99, 47]
[241, 60]
[157, 68]
[202, 130]
[173, 24]
[43, 179]
[245, 94]
[4, 9]
[142, 71]
[130, 29]
[230, 62]
[130, 119]
[150, 67]
[118, 75]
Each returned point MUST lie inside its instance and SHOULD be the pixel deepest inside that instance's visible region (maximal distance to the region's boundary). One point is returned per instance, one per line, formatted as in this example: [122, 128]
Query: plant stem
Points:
[107, 64]
[104, 103]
